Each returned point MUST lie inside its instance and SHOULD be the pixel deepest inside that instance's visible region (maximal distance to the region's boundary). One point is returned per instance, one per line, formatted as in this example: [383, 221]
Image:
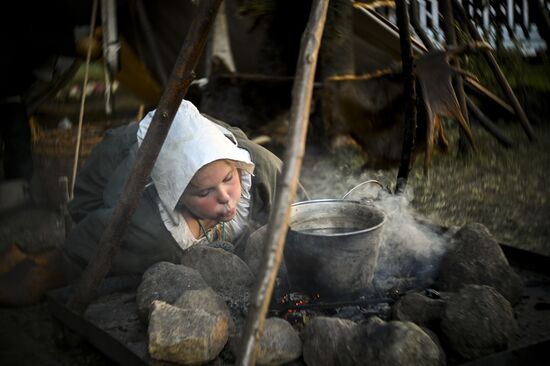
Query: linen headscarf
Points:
[192, 142]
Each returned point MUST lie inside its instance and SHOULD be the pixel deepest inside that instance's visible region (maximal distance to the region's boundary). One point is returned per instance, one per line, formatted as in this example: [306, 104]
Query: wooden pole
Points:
[491, 60]
[83, 100]
[464, 146]
[302, 91]
[489, 126]
[180, 79]
[409, 86]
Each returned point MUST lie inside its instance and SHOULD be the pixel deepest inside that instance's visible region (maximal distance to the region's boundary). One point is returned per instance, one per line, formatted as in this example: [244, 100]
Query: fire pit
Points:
[332, 246]
[385, 323]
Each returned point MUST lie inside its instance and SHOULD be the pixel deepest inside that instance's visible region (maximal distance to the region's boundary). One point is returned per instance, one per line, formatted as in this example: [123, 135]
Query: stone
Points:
[186, 336]
[33, 229]
[221, 244]
[477, 321]
[435, 339]
[167, 282]
[321, 337]
[208, 300]
[279, 343]
[393, 343]
[419, 309]
[252, 251]
[116, 314]
[205, 299]
[226, 273]
[476, 258]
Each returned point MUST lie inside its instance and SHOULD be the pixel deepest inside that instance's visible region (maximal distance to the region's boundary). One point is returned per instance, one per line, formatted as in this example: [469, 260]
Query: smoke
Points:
[410, 249]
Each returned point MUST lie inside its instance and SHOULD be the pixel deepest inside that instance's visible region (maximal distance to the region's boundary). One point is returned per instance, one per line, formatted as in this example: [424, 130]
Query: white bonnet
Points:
[192, 142]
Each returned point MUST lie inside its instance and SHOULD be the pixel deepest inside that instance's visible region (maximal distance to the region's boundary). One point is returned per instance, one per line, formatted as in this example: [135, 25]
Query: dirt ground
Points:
[505, 189]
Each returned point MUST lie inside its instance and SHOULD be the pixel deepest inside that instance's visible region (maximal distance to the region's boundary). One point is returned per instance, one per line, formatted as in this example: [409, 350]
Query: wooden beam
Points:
[180, 79]
[302, 91]
[464, 146]
[409, 95]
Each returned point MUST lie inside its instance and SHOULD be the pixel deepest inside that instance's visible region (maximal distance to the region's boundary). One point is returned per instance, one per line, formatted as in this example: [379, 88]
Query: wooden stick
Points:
[63, 184]
[491, 60]
[489, 126]
[281, 310]
[83, 99]
[409, 93]
[179, 82]
[302, 91]
[464, 146]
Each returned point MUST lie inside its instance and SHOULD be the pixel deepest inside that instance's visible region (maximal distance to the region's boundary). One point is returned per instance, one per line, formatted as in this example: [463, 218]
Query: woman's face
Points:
[214, 192]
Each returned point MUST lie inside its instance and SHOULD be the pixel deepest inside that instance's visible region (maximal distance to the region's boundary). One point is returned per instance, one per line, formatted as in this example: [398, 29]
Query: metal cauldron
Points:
[332, 246]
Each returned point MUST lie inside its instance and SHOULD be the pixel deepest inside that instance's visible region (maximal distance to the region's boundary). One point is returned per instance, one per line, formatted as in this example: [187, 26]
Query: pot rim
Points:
[332, 200]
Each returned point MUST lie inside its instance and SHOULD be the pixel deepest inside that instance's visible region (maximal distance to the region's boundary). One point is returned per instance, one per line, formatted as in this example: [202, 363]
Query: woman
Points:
[210, 182]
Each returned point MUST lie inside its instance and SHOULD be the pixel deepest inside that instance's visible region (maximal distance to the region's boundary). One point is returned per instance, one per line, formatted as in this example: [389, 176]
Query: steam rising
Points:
[410, 252]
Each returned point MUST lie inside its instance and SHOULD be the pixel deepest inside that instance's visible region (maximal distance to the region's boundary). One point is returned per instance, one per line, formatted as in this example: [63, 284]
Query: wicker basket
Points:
[53, 157]
[62, 143]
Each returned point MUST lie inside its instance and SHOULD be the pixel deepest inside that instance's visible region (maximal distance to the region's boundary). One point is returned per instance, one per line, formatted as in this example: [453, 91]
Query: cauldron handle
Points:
[370, 181]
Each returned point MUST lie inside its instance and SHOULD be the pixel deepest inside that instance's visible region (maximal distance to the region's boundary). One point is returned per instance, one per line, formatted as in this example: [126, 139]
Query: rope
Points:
[83, 100]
